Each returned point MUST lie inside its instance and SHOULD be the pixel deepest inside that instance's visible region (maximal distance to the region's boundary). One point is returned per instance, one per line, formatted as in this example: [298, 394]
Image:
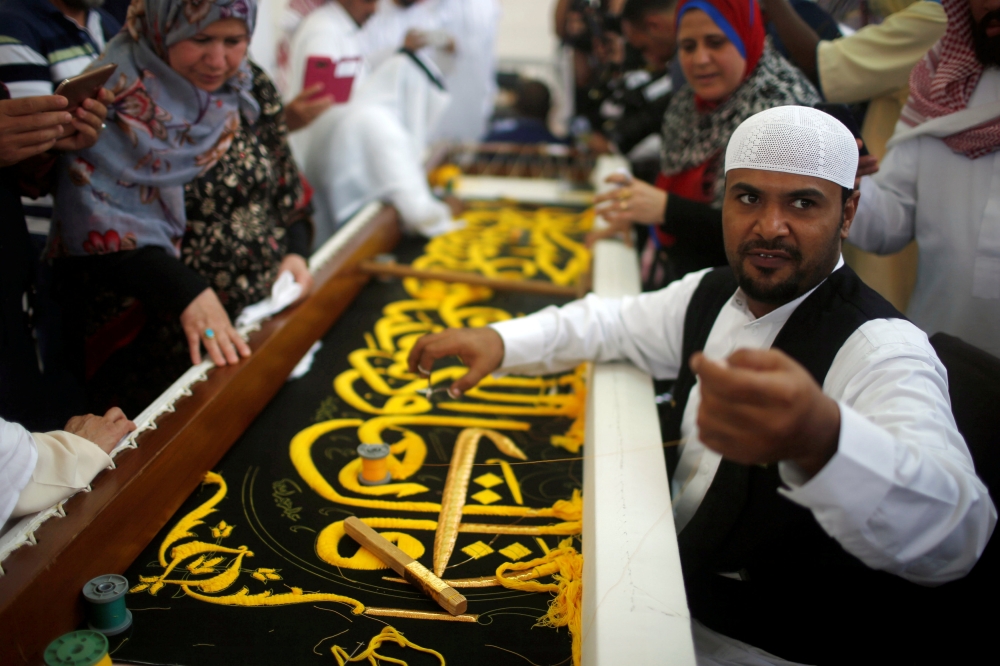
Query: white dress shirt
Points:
[951, 206]
[383, 34]
[900, 493]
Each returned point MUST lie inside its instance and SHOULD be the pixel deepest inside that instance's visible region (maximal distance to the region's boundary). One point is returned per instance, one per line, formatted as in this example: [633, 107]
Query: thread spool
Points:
[106, 610]
[79, 648]
[374, 464]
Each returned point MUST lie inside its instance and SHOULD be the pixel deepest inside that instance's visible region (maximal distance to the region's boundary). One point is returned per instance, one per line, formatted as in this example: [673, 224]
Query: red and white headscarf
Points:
[943, 82]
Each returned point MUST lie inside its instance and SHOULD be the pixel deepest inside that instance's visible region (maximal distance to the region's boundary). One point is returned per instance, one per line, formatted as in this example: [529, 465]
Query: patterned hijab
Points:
[127, 191]
[696, 133]
[944, 80]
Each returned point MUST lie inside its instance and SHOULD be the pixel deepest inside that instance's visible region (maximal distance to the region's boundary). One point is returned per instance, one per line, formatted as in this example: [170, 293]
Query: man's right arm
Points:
[887, 210]
[647, 330]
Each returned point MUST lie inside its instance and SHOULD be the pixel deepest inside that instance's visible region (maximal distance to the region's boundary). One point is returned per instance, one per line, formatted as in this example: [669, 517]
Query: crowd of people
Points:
[763, 135]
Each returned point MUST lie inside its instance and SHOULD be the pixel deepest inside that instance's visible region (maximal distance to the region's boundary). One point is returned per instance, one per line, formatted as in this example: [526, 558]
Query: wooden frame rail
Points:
[106, 529]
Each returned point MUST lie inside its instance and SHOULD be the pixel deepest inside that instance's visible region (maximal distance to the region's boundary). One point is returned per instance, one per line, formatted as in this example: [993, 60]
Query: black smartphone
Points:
[843, 113]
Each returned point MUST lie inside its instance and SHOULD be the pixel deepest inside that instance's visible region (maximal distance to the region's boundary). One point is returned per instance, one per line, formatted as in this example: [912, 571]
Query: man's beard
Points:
[773, 294]
[987, 48]
[84, 4]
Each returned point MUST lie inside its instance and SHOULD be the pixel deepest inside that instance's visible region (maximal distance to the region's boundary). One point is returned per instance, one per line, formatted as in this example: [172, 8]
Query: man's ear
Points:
[850, 210]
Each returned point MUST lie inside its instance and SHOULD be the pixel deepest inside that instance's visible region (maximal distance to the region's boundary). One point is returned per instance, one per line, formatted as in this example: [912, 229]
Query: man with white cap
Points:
[820, 472]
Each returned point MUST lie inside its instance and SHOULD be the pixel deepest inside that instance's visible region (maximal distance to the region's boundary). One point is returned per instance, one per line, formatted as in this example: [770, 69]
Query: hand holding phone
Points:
[336, 79]
[85, 86]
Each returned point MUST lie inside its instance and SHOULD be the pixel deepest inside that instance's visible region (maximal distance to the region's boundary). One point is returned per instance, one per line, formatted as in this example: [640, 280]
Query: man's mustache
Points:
[756, 246]
[989, 17]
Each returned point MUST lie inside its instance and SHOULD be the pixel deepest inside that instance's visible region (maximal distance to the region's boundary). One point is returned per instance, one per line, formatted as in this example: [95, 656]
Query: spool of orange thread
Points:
[374, 464]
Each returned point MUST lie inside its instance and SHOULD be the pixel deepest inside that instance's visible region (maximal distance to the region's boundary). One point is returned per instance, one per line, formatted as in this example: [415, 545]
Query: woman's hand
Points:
[299, 268]
[304, 109]
[205, 322]
[30, 126]
[633, 202]
[88, 121]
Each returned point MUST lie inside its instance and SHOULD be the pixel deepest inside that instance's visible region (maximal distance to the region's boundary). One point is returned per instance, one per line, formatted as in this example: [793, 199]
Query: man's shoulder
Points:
[889, 338]
[23, 22]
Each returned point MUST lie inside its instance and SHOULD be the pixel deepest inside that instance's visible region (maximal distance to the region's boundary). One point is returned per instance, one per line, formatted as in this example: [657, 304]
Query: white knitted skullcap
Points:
[795, 139]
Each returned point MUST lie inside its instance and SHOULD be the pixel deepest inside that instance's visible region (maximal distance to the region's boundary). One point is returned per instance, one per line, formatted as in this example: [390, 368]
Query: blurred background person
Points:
[374, 151]
[529, 124]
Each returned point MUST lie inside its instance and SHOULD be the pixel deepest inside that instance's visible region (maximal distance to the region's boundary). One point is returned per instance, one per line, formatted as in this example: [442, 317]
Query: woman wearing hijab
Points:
[732, 73]
[373, 149]
[191, 202]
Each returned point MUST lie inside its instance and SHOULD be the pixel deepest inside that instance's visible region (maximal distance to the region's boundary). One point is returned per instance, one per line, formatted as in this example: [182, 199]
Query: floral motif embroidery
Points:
[196, 10]
[110, 241]
[208, 159]
[80, 171]
[135, 109]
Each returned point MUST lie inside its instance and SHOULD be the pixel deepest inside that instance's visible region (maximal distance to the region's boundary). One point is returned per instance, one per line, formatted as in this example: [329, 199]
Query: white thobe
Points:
[900, 493]
[471, 80]
[383, 34]
[42, 469]
[327, 31]
[951, 206]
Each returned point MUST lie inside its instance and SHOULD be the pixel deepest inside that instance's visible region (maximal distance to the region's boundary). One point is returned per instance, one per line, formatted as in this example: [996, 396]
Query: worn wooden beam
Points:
[106, 529]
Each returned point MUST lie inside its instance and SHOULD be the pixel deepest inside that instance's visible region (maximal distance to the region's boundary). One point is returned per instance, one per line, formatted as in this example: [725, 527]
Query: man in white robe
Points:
[940, 181]
[400, 24]
[471, 78]
[373, 150]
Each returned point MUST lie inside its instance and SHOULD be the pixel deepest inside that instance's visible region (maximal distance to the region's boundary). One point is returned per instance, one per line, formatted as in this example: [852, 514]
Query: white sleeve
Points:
[18, 457]
[66, 463]
[887, 210]
[901, 493]
[647, 330]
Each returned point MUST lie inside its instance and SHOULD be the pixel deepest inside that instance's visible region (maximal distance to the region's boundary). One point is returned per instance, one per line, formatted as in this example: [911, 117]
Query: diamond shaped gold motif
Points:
[488, 480]
[515, 551]
[486, 497]
[477, 550]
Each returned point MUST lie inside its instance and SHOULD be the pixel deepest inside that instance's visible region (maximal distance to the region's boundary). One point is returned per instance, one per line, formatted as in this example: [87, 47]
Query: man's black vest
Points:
[801, 595]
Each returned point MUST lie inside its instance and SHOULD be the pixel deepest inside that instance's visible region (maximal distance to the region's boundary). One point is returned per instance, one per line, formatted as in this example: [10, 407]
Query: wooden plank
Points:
[106, 529]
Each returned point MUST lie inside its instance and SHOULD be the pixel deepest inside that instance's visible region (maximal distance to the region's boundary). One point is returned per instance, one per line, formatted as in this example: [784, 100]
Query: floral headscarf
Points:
[127, 191]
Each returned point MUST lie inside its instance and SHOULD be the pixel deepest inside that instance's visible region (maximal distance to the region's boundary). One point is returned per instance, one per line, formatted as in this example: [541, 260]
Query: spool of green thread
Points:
[106, 610]
[79, 648]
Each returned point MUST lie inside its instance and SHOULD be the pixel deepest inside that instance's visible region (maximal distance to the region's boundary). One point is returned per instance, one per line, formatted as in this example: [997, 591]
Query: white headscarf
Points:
[373, 149]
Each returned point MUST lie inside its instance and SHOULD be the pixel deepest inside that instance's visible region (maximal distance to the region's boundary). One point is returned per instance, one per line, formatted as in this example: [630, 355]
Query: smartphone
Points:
[85, 86]
[842, 112]
[337, 78]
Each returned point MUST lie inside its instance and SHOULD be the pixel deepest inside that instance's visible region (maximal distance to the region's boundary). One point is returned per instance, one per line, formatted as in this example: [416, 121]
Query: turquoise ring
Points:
[209, 333]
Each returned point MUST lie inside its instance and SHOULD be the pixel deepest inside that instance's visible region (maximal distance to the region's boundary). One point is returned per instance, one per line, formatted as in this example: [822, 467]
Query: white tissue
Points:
[284, 292]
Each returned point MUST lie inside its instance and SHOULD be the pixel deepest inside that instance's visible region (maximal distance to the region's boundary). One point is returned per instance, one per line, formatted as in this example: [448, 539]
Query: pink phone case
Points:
[322, 70]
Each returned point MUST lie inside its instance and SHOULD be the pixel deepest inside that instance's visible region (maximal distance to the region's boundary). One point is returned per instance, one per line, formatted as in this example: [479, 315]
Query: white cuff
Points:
[523, 341]
[854, 482]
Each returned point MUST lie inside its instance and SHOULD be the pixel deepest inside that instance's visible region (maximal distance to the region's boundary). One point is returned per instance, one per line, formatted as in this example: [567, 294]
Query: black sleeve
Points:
[160, 281]
[697, 228]
[300, 237]
[638, 123]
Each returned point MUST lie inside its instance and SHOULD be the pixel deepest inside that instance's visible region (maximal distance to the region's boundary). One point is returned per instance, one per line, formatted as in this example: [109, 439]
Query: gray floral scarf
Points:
[127, 191]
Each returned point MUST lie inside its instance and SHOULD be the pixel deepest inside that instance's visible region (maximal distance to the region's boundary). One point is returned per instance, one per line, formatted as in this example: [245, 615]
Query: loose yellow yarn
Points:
[387, 634]
[565, 565]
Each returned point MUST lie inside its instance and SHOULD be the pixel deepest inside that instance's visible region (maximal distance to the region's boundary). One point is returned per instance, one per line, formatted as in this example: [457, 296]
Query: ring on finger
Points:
[422, 371]
[209, 333]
